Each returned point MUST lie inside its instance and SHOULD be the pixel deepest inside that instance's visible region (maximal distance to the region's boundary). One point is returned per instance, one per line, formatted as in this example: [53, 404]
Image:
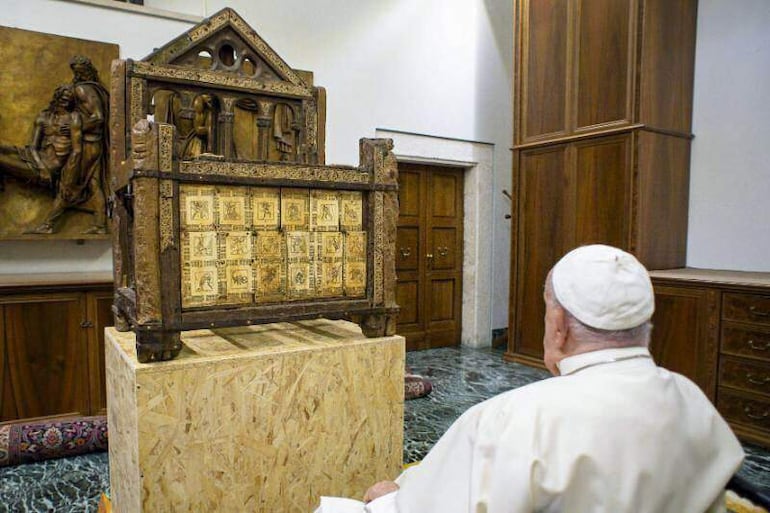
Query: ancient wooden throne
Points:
[223, 211]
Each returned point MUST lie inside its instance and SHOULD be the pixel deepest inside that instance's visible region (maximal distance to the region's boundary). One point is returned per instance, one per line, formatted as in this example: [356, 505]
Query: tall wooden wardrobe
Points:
[602, 131]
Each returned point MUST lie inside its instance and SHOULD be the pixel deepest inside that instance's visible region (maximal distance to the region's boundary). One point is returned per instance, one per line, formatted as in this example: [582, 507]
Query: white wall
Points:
[435, 67]
[730, 167]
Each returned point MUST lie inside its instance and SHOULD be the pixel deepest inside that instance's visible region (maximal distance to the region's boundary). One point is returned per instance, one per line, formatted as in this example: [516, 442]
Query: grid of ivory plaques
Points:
[250, 245]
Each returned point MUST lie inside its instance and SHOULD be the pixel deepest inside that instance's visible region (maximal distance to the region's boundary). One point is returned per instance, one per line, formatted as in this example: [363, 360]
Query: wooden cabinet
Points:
[603, 103]
[52, 344]
[714, 327]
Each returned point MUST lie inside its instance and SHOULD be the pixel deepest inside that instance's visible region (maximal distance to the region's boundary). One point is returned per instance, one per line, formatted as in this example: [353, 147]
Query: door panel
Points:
[544, 65]
[407, 293]
[44, 344]
[445, 248]
[546, 219]
[603, 191]
[408, 193]
[407, 248]
[429, 255]
[604, 85]
[99, 317]
[443, 193]
[441, 300]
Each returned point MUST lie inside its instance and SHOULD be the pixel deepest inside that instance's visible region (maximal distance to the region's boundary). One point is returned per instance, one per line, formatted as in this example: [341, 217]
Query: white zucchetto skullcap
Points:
[604, 287]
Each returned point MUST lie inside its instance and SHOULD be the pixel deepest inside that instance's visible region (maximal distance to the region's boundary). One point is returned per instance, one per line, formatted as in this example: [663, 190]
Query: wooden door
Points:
[45, 367]
[429, 255]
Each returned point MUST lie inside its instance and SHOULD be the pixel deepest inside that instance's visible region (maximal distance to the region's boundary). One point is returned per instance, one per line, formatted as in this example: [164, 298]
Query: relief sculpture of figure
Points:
[69, 149]
[56, 142]
[284, 131]
[201, 138]
[89, 180]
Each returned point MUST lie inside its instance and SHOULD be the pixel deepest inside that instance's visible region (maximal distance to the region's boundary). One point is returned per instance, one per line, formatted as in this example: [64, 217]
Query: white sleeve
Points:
[340, 505]
[384, 504]
[471, 468]
[719, 505]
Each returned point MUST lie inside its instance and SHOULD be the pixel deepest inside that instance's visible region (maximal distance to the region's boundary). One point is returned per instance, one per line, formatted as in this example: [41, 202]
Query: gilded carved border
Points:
[165, 147]
[323, 174]
[166, 215]
[379, 241]
[214, 78]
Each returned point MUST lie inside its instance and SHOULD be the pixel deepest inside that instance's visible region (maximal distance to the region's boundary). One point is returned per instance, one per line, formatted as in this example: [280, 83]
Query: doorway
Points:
[429, 255]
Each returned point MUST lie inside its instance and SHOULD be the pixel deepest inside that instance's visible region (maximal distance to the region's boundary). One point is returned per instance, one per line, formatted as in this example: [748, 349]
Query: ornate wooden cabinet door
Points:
[429, 255]
[44, 371]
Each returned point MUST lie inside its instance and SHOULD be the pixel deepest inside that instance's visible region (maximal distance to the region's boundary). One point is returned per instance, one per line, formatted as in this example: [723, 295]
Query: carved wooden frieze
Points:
[224, 209]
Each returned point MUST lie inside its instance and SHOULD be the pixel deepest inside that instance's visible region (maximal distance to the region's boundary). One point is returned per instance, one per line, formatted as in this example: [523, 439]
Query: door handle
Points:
[405, 252]
[429, 256]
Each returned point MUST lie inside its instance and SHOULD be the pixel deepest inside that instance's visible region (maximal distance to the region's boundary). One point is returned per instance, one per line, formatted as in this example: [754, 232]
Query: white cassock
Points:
[613, 434]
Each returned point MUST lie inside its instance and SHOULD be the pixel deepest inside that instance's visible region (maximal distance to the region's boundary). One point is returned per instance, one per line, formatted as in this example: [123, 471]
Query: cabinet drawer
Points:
[742, 341]
[748, 410]
[746, 307]
[745, 374]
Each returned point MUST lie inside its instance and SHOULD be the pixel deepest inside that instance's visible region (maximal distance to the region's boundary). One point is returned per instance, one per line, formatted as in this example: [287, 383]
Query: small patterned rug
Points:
[416, 386]
[31, 442]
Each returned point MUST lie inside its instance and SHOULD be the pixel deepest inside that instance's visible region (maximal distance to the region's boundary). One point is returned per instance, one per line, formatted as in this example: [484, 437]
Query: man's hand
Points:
[377, 490]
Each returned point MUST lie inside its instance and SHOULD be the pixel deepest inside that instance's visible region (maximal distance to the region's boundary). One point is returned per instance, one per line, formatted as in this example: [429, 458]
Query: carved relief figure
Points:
[68, 149]
[51, 146]
[89, 181]
[240, 278]
[199, 210]
[285, 129]
[201, 138]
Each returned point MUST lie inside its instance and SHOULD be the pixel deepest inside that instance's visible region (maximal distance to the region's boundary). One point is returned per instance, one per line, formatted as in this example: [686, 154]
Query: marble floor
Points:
[461, 377]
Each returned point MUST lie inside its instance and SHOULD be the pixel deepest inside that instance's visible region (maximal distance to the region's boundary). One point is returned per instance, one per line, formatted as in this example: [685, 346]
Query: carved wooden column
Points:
[226, 121]
[264, 122]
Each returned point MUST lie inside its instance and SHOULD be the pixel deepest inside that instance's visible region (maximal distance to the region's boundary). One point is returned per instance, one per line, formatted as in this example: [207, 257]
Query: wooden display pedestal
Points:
[256, 418]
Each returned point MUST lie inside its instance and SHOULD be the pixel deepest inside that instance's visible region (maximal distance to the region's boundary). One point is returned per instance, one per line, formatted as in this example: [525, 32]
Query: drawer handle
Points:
[758, 347]
[757, 381]
[753, 416]
[758, 313]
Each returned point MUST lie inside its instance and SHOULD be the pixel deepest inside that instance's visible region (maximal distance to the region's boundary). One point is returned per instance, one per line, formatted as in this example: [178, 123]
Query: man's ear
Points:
[562, 329]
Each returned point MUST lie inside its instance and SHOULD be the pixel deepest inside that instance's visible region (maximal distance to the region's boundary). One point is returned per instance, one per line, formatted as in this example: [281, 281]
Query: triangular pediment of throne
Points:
[225, 45]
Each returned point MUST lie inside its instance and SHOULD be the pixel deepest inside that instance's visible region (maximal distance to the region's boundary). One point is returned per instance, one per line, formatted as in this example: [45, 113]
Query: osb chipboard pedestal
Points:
[256, 418]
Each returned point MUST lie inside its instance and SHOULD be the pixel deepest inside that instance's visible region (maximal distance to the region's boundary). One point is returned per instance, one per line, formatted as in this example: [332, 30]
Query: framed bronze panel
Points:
[53, 144]
[224, 213]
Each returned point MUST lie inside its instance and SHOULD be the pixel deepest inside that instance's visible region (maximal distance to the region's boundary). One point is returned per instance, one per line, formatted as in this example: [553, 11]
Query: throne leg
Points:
[157, 346]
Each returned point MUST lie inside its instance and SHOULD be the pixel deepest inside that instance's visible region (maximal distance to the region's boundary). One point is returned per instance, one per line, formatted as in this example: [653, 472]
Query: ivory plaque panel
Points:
[257, 418]
[253, 245]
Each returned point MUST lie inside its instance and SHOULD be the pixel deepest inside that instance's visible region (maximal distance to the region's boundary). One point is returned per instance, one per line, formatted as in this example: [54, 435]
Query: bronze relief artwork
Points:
[225, 213]
[54, 143]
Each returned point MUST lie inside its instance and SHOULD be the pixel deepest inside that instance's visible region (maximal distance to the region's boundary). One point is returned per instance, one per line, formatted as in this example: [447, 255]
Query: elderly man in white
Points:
[611, 432]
